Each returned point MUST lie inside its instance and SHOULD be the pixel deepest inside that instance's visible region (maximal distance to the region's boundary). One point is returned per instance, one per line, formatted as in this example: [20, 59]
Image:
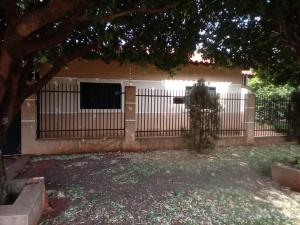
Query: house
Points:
[84, 108]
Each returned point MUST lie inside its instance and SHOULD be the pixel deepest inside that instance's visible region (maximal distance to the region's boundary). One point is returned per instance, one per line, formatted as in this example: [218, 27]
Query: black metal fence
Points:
[59, 115]
[164, 113]
[232, 114]
[161, 113]
[272, 116]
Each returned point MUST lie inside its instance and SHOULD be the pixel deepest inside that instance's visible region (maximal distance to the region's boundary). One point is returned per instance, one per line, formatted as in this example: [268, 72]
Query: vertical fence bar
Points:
[41, 113]
[231, 116]
[38, 114]
[153, 98]
[60, 110]
[181, 113]
[124, 113]
[50, 110]
[176, 113]
[143, 104]
[148, 112]
[150, 124]
[169, 112]
[84, 123]
[164, 109]
[157, 130]
[46, 112]
[222, 114]
[77, 109]
[138, 112]
[55, 111]
[73, 110]
[69, 110]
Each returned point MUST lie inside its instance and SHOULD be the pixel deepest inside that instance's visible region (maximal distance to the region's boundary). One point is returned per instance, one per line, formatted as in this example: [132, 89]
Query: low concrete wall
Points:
[286, 176]
[28, 207]
[48, 146]
[271, 140]
[54, 146]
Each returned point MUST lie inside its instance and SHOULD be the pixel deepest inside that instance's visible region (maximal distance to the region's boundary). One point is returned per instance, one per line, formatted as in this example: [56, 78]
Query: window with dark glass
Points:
[100, 95]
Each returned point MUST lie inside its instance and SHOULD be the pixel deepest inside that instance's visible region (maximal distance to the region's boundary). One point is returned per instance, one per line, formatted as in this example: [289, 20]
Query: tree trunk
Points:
[5, 65]
[8, 110]
[3, 177]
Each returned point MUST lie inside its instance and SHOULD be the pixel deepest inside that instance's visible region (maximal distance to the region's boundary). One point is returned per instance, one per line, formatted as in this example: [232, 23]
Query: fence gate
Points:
[13, 144]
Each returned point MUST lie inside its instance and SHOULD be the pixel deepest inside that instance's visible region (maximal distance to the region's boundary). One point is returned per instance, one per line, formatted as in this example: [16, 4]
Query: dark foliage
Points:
[204, 117]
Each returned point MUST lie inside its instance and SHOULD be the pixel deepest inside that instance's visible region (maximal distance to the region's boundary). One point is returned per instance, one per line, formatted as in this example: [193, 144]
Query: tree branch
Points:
[33, 21]
[10, 11]
[126, 12]
[45, 42]
[58, 65]
[27, 70]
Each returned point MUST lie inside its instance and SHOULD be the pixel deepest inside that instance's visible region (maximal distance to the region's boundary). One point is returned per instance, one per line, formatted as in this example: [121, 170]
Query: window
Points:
[100, 96]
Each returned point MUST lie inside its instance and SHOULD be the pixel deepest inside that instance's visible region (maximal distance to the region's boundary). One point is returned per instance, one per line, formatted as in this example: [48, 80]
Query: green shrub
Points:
[204, 117]
[272, 104]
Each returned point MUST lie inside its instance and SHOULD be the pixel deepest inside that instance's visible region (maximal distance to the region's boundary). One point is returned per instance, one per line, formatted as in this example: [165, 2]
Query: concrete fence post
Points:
[250, 118]
[130, 120]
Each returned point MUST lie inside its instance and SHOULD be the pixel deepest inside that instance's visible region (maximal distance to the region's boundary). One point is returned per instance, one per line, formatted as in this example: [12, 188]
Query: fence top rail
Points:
[266, 97]
[182, 93]
[145, 95]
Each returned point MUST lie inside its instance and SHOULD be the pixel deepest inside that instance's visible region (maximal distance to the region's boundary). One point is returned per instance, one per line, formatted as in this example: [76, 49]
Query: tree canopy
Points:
[261, 34]
[263, 88]
[163, 33]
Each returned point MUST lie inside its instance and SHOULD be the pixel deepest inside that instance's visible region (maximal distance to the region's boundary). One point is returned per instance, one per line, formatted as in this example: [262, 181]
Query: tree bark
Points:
[5, 63]
[3, 178]
[9, 87]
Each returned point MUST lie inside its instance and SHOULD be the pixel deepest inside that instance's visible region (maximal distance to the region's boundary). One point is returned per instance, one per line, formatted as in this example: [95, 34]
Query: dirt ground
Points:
[229, 186]
[10, 160]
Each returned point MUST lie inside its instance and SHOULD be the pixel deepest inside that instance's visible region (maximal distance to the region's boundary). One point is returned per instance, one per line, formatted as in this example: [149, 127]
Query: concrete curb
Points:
[28, 207]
